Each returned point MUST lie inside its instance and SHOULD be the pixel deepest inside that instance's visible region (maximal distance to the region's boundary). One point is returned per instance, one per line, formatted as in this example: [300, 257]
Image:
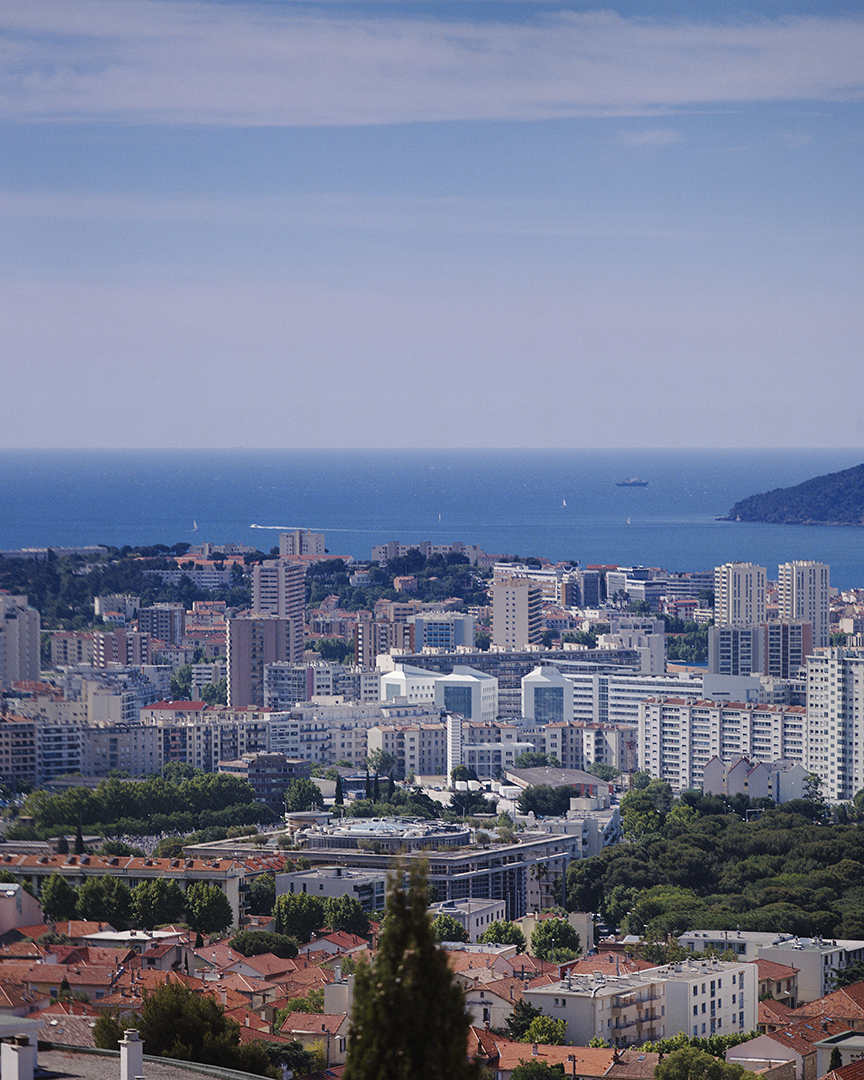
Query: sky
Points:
[479, 223]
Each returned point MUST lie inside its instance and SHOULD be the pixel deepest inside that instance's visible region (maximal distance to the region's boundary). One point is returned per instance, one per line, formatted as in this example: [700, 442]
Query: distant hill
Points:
[835, 499]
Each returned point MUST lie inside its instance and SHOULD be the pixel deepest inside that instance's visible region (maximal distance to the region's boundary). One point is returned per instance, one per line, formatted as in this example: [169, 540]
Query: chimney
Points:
[131, 1055]
[18, 1058]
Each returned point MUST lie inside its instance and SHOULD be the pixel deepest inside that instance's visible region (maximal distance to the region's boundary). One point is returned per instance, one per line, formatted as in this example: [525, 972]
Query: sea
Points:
[560, 504]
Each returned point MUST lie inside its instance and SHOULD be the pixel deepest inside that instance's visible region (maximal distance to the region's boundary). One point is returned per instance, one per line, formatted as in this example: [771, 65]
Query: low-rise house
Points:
[795, 1043]
[846, 1005]
[314, 1030]
[777, 981]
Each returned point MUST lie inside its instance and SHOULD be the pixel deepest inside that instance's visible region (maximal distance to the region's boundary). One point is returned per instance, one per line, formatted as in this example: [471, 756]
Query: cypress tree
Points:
[376, 789]
[340, 797]
[409, 1018]
[368, 786]
[79, 839]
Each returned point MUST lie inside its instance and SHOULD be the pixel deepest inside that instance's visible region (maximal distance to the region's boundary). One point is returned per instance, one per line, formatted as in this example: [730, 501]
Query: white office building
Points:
[469, 692]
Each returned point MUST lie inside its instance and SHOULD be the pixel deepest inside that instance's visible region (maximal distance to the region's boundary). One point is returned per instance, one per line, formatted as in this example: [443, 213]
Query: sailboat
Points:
[563, 502]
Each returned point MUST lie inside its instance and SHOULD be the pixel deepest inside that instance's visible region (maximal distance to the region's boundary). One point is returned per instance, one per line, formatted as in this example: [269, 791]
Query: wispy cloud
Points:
[650, 137]
[155, 61]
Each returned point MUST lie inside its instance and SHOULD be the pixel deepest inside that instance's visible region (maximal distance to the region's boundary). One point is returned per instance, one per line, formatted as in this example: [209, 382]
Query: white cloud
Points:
[257, 64]
[650, 137]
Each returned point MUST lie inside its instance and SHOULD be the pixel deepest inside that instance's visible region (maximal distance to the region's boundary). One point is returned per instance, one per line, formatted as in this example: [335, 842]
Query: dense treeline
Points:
[157, 804]
[694, 864]
[62, 588]
[438, 578]
[837, 498]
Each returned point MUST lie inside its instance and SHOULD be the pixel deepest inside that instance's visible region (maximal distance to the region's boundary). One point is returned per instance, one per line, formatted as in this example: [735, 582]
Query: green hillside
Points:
[835, 499]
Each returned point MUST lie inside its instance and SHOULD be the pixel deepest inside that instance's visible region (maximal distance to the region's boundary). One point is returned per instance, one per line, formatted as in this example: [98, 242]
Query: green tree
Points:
[157, 903]
[261, 895]
[555, 939]
[691, 1063]
[346, 913]
[299, 915]
[546, 1030]
[520, 1019]
[303, 794]
[408, 988]
[177, 1022]
[216, 693]
[603, 771]
[181, 683]
[208, 909]
[256, 942]
[836, 1059]
[446, 928]
[340, 792]
[503, 932]
[59, 898]
[108, 1030]
[106, 898]
[536, 1070]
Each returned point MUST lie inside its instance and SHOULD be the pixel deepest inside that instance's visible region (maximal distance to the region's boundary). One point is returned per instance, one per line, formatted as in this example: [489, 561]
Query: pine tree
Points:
[409, 1017]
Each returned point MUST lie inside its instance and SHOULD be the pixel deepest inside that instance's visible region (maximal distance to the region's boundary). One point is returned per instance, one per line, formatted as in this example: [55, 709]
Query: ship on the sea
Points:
[634, 481]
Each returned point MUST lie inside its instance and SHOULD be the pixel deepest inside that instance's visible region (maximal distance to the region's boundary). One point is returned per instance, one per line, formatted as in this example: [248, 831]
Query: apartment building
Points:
[301, 544]
[254, 641]
[442, 631]
[286, 684]
[71, 647]
[577, 744]
[20, 641]
[132, 748]
[517, 612]
[167, 622]
[18, 751]
[325, 734]
[490, 749]
[804, 591]
[739, 594]
[377, 637]
[699, 998]
[677, 737]
[268, 774]
[778, 648]
[419, 749]
[835, 710]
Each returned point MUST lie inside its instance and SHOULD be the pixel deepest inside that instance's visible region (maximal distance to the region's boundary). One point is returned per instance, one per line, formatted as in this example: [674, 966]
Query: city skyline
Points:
[321, 224]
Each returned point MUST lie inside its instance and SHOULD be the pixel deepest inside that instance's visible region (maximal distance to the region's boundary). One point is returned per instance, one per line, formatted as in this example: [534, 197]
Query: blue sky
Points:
[417, 224]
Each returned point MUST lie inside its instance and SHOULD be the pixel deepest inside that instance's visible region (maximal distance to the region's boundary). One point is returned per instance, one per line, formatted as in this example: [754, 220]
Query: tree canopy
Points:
[409, 1017]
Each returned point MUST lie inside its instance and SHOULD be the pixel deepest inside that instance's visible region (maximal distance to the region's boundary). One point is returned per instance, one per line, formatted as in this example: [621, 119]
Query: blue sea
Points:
[556, 503]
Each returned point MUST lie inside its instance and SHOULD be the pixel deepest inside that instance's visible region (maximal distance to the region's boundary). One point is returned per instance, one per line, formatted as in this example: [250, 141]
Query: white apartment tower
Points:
[517, 614]
[804, 588]
[300, 543]
[835, 714]
[739, 594]
[278, 588]
[20, 642]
